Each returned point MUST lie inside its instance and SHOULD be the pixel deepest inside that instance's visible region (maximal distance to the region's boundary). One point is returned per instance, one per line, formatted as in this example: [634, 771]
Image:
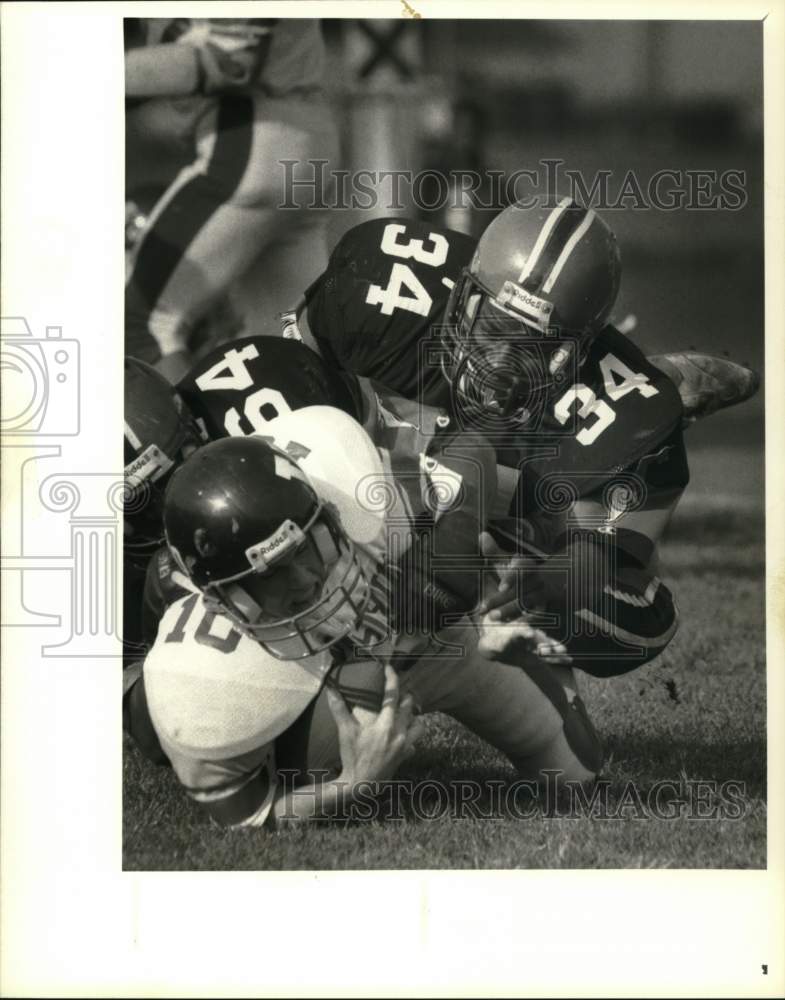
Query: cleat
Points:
[706, 383]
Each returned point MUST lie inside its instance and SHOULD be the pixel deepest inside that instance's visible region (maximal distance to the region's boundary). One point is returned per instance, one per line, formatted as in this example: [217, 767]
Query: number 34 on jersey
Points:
[596, 414]
[402, 277]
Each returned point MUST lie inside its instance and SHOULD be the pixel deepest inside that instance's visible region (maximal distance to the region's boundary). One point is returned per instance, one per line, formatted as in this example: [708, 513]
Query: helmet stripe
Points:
[570, 245]
[558, 238]
[133, 440]
[542, 239]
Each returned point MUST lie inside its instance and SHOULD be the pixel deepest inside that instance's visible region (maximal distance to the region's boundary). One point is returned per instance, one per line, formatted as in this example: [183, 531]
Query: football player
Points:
[159, 433]
[234, 390]
[390, 287]
[512, 336]
[241, 96]
[238, 388]
[313, 549]
[241, 388]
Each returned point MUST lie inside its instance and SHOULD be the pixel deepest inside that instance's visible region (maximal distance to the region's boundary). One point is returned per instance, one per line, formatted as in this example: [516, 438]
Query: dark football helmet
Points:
[522, 317]
[159, 434]
[245, 523]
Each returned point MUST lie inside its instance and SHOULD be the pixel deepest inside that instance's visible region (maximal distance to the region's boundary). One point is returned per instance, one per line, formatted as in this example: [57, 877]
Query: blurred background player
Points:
[224, 99]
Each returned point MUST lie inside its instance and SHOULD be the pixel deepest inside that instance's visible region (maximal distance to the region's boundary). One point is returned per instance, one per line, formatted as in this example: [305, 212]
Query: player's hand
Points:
[505, 627]
[500, 599]
[512, 640]
[372, 750]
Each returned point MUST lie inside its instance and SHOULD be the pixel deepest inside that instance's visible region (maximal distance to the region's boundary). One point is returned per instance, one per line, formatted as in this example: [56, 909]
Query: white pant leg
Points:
[223, 212]
[521, 710]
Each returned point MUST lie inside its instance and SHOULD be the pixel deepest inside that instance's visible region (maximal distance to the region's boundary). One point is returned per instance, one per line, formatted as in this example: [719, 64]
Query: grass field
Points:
[697, 714]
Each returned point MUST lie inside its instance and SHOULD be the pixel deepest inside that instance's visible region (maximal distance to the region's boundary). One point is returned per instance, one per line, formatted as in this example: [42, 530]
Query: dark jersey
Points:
[386, 285]
[234, 390]
[242, 385]
[376, 311]
[618, 410]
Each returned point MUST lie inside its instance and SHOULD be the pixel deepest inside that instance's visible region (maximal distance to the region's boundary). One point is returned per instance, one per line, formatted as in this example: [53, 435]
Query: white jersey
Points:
[218, 700]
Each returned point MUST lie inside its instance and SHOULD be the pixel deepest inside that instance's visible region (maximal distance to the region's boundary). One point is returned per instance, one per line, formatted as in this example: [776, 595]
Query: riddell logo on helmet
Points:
[531, 306]
[151, 464]
[261, 555]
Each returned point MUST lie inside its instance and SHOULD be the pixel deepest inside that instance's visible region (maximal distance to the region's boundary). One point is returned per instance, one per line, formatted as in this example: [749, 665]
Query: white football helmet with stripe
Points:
[522, 316]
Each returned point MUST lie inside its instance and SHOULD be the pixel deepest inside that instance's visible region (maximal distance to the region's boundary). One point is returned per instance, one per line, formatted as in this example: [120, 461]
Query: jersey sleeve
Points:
[236, 791]
[618, 410]
[217, 702]
[250, 55]
[386, 285]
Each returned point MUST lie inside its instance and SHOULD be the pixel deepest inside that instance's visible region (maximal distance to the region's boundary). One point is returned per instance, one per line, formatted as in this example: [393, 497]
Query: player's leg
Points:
[294, 139]
[276, 280]
[166, 272]
[527, 711]
[220, 213]
[707, 383]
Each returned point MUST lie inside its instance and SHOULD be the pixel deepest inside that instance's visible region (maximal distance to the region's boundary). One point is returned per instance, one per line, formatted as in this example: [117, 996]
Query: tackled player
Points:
[317, 548]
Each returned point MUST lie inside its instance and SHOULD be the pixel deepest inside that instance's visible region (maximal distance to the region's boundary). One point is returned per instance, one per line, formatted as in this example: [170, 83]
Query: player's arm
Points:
[595, 603]
[599, 574]
[372, 746]
[246, 791]
[168, 70]
[636, 512]
[213, 57]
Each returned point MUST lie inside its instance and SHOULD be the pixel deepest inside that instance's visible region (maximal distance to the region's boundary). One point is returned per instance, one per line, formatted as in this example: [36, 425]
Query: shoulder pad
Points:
[639, 421]
[210, 704]
[341, 461]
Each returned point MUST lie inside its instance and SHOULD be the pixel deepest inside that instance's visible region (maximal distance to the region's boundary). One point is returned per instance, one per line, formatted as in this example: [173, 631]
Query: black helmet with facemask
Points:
[523, 315]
